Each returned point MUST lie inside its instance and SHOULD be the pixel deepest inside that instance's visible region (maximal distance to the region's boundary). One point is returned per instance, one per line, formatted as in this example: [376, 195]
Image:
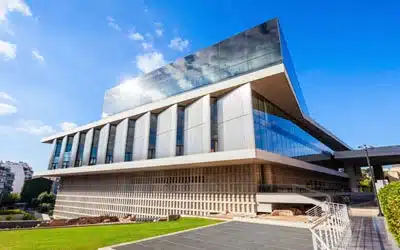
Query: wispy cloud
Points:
[7, 6]
[147, 45]
[37, 55]
[7, 97]
[34, 127]
[135, 36]
[8, 50]
[7, 109]
[179, 44]
[111, 23]
[150, 61]
[66, 126]
[159, 29]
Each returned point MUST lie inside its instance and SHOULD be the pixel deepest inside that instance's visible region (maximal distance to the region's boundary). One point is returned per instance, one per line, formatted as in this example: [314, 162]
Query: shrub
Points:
[28, 216]
[9, 217]
[46, 198]
[389, 198]
[45, 207]
[10, 211]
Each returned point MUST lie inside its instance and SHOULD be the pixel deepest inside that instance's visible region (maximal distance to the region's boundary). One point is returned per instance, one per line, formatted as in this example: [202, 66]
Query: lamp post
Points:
[371, 170]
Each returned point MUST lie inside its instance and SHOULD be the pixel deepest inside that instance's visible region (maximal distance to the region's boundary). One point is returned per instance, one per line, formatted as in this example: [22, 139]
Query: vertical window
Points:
[180, 131]
[95, 145]
[214, 125]
[111, 143]
[67, 153]
[56, 156]
[81, 146]
[129, 140]
[153, 137]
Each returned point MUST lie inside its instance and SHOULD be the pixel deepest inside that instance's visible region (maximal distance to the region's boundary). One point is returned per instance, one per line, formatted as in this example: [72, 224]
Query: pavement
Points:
[230, 235]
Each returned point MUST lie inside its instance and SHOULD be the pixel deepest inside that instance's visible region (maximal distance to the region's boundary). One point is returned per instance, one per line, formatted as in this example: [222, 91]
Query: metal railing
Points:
[292, 188]
[330, 226]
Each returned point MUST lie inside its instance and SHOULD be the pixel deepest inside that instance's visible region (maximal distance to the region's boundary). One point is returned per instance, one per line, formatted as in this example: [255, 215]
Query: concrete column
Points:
[102, 147]
[63, 146]
[354, 178]
[74, 149]
[197, 132]
[141, 137]
[87, 147]
[378, 172]
[166, 132]
[52, 150]
[235, 120]
[120, 140]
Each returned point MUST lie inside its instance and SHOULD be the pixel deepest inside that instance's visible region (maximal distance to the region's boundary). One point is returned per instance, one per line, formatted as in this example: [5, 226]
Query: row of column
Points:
[235, 131]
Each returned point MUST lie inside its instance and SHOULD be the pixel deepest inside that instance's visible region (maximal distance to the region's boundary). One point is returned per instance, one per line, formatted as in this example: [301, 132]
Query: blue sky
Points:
[57, 58]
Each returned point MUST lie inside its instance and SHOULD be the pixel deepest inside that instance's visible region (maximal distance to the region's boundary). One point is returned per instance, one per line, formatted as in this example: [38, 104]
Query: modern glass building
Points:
[209, 133]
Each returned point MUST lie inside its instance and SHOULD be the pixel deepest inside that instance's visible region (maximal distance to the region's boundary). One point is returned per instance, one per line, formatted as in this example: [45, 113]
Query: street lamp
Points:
[371, 170]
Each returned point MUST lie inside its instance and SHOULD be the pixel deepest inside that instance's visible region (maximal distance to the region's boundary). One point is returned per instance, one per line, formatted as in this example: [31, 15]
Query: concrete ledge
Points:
[272, 222]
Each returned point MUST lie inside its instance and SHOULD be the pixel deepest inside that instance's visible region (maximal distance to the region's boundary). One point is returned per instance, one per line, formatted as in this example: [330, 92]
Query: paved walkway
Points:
[369, 233]
[231, 235]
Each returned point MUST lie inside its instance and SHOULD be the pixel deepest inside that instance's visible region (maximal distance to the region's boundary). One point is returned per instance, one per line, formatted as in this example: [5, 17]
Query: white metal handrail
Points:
[330, 226]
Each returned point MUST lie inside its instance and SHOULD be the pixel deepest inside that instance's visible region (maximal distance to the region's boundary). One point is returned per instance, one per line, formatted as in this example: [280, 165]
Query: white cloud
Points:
[7, 109]
[37, 55]
[150, 61]
[5, 96]
[112, 23]
[136, 36]
[7, 6]
[34, 127]
[8, 50]
[147, 45]
[178, 44]
[66, 126]
[159, 29]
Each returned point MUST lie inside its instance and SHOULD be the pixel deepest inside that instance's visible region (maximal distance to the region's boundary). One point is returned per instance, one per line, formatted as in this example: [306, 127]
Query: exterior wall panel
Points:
[52, 150]
[166, 132]
[197, 134]
[120, 140]
[141, 137]
[102, 147]
[74, 149]
[87, 147]
[235, 120]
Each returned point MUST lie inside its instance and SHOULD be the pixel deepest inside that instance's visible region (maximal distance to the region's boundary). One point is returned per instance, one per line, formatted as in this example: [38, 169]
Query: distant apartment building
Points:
[6, 179]
[22, 172]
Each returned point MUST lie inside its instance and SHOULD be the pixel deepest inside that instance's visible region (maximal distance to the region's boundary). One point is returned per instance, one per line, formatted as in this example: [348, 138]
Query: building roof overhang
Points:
[237, 157]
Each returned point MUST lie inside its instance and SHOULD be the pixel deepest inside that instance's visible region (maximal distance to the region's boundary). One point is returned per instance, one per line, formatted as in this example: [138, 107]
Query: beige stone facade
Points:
[193, 191]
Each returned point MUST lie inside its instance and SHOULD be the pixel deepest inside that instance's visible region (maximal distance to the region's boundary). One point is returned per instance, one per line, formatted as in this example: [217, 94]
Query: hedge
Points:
[10, 212]
[389, 197]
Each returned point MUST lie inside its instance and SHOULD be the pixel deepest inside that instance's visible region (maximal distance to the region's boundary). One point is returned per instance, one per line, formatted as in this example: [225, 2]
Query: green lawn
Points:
[86, 238]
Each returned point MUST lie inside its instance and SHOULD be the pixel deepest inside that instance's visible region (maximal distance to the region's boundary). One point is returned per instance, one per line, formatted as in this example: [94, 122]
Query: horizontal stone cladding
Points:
[194, 191]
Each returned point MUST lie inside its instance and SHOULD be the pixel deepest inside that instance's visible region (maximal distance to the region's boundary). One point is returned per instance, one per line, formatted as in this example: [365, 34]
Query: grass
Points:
[93, 237]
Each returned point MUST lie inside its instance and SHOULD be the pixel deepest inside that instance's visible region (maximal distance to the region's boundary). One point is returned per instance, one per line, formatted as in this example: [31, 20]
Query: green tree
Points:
[46, 197]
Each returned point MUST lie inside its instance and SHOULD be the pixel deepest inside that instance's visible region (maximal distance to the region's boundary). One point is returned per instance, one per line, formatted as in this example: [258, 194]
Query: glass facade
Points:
[251, 50]
[152, 137]
[81, 146]
[111, 143]
[67, 154]
[56, 156]
[129, 140]
[277, 132]
[180, 131]
[95, 145]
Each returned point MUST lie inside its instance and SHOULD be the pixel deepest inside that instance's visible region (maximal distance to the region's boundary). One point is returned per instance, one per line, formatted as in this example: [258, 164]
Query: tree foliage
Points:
[389, 198]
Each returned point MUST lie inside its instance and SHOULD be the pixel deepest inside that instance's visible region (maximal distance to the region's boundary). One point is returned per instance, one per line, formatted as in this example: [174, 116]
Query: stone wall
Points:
[194, 191]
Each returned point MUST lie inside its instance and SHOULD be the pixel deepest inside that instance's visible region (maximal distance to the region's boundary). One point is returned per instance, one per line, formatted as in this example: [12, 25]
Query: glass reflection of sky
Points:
[251, 50]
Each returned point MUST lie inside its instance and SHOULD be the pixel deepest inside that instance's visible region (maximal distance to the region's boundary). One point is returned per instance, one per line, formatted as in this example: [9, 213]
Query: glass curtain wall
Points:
[153, 137]
[129, 140]
[180, 131]
[67, 153]
[111, 143]
[95, 145]
[276, 131]
[81, 146]
[57, 152]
